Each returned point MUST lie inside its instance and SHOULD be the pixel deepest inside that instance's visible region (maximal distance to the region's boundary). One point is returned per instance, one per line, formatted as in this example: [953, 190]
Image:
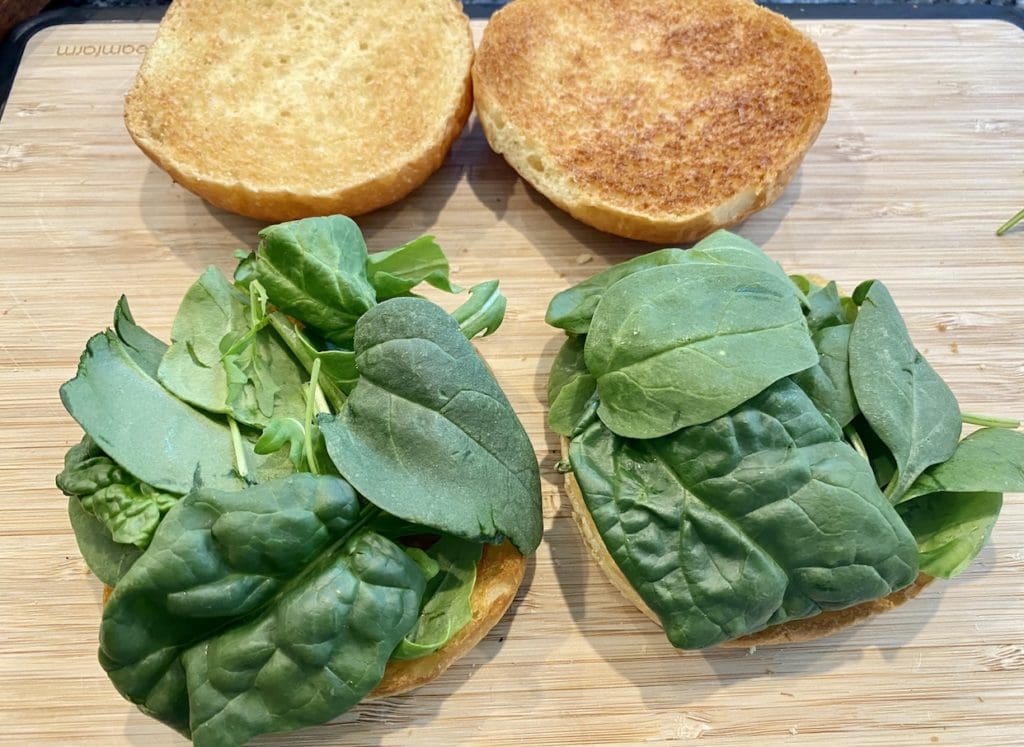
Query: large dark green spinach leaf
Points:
[221, 629]
[571, 388]
[683, 344]
[760, 516]
[573, 309]
[447, 606]
[168, 445]
[427, 434]
[258, 382]
[315, 271]
[904, 400]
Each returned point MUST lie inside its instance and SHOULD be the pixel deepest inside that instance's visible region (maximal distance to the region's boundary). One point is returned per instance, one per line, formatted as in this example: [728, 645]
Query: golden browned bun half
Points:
[794, 631]
[498, 576]
[283, 109]
[659, 120]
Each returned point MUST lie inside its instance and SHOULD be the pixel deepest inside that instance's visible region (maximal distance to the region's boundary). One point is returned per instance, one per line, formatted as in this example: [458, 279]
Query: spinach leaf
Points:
[169, 444]
[279, 432]
[989, 460]
[483, 313]
[907, 404]
[870, 447]
[828, 383]
[315, 270]
[428, 415]
[825, 308]
[447, 607]
[252, 383]
[680, 345]
[760, 516]
[952, 507]
[338, 372]
[950, 528]
[396, 272]
[220, 629]
[107, 559]
[145, 349]
[571, 388]
[573, 309]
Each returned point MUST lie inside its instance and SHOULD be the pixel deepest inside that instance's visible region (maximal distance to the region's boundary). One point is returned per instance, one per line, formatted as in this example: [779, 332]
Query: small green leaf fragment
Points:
[483, 313]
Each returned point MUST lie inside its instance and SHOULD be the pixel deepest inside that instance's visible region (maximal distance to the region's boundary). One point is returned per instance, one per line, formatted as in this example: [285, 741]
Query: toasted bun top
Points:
[657, 119]
[794, 631]
[287, 108]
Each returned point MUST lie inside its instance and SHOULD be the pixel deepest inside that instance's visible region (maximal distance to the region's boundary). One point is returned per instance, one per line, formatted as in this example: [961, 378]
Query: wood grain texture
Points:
[922, 158]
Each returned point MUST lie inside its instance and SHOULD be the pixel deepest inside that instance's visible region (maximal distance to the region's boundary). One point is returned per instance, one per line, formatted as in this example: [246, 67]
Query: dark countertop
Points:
[1004, 3]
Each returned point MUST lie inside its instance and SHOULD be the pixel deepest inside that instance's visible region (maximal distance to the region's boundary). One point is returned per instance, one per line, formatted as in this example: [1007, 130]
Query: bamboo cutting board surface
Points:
[922, 158]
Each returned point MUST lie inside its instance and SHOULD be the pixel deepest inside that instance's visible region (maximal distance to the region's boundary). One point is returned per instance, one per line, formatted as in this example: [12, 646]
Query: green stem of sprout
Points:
[236, 441]
[989, 421]
[308, 424]
[856, 442]
[1010, 223]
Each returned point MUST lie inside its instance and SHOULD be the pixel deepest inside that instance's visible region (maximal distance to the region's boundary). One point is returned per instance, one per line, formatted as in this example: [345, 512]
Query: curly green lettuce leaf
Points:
[107, 559]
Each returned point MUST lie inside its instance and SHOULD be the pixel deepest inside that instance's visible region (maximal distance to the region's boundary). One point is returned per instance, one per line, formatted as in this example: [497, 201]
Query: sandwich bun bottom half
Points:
[795, 631]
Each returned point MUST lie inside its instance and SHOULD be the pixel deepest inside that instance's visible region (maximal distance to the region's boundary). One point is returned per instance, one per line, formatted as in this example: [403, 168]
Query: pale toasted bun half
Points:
[285, 109]
[794, 631]
[659, 120]
[498, 576]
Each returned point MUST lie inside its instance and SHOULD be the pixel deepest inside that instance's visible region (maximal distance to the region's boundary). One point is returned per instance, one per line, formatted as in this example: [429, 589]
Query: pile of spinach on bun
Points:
[298, 487]
[755, 448]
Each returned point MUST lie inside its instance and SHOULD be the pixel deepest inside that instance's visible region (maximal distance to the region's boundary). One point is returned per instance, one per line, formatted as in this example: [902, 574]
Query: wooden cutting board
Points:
[922, 158]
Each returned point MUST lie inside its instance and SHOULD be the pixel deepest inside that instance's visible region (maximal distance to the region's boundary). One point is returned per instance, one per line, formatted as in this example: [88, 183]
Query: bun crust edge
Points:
[795, 631]
[281, 204]
[533, 161]
[498, 577]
